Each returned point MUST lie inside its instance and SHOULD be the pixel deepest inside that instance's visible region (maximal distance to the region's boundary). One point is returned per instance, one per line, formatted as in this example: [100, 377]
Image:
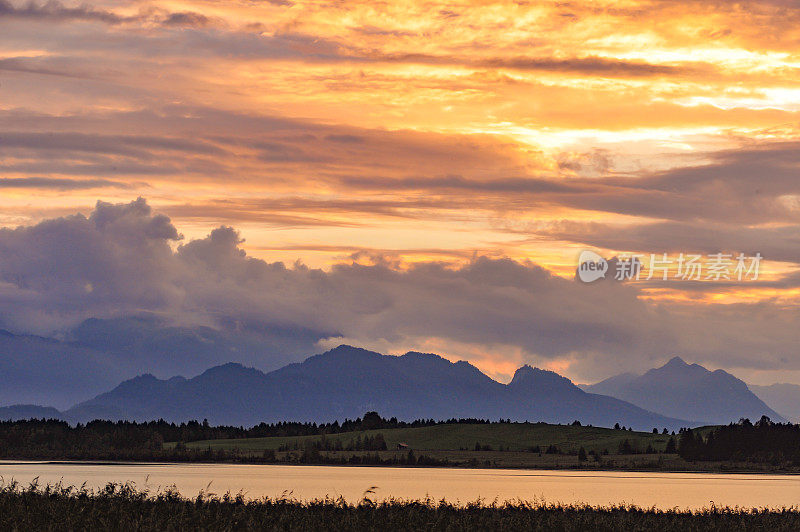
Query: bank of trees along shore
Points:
[759, 442]
[54, 434]
[129, 440]
[763, 442]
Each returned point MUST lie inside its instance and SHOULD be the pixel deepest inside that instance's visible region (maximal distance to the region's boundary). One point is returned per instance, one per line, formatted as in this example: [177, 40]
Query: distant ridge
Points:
[97, 354]
[688, 391]
[347, 381]
[782, 397]
[14, 412]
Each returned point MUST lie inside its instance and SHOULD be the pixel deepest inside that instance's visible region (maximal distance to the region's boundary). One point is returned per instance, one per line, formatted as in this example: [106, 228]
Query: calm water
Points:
[663, 490]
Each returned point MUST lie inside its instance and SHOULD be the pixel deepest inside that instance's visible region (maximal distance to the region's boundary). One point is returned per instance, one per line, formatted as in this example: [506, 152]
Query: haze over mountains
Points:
[688, 390]
[346, 382]
[98, 354]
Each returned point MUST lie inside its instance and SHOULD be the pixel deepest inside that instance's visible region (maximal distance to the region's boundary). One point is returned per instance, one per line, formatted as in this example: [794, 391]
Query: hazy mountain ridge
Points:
[346, 382]
[98, 354]
[688, 390]
[36, 370]
[29, 412]
[782, 397]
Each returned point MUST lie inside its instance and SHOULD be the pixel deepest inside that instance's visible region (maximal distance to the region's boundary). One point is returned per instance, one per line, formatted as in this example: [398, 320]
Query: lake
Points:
[644, 489]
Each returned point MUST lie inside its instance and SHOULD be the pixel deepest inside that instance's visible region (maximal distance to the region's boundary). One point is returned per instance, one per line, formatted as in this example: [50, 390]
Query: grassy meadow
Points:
[496, 445]
[519, 437]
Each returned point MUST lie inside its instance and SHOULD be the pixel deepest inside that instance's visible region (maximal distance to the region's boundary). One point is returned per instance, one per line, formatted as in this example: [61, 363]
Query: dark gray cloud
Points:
[345, 138]
[590, 66]
[530, 185]
[310, 211]
[140, 146]
[60, 183]
[778, 243]
[43, 66]
[56, 11]
[187, 18]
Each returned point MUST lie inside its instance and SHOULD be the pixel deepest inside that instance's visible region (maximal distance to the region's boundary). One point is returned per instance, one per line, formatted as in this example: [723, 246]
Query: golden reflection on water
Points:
[644, 489]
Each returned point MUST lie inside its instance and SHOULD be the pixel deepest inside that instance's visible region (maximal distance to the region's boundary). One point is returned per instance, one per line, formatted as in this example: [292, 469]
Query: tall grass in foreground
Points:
[123, 507]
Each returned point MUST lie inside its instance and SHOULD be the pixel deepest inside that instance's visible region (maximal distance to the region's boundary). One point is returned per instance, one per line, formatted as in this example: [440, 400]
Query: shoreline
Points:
[124, 463]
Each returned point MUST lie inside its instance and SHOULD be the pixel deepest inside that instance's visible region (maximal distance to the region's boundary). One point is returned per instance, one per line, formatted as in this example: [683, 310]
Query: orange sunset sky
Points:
[439, 166]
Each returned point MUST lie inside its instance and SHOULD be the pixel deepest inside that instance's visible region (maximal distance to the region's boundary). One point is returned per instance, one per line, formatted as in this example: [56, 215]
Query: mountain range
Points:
[347, 381]
[688, 390]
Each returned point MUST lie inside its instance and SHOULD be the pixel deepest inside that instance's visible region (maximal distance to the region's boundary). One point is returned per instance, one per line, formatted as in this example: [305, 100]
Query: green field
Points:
[502, 445]
[454, 437]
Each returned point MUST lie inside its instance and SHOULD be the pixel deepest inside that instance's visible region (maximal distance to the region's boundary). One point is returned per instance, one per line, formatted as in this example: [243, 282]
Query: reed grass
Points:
[124, 507]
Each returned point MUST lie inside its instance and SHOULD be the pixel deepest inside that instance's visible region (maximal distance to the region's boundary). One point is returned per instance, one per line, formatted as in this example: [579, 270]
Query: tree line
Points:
[130, 440]
[761, 442]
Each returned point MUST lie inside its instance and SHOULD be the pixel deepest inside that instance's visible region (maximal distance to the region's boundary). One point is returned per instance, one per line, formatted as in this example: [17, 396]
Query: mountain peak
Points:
[676, 362]
[229, 370]
[424, 356]
[524, 371]
[679, 369]
[345, 347]
[539, 379]
[228, 366]
[688, 391]
[349, 350]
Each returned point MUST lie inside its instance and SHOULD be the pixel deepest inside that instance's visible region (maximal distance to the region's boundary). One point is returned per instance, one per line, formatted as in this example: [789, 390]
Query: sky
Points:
[408, 175]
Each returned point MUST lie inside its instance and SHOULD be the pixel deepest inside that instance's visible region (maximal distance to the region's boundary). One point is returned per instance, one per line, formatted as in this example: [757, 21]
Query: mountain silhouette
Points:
[346, 382]
[687, 391]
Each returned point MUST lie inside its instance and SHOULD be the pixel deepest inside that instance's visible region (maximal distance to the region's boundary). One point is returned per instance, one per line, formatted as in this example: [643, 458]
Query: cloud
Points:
[44, 66]
[530, 185]
[130, 145]
[56, 11]
[427, 130]
[187, 18]
[680, 194]
[778, 243]
[250, 42]
[587, 66]
[123, 259]
[72, 268]
[237, 148]
[58, 183]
